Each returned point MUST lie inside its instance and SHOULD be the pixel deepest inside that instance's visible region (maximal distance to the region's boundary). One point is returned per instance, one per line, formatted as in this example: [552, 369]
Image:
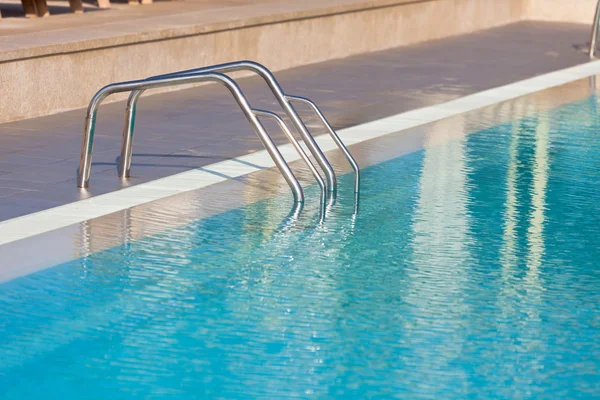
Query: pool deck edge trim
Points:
[76, 212]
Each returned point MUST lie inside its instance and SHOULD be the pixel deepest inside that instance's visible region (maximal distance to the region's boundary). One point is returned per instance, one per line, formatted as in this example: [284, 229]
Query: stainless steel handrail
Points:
[141, 85]
[333, 135]
[294, 142]
[127, 142]
[304, 157]
[268, 77]
[594, 37]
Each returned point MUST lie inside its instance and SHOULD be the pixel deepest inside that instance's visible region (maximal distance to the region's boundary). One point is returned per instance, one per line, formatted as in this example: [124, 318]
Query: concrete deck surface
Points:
[191, 128]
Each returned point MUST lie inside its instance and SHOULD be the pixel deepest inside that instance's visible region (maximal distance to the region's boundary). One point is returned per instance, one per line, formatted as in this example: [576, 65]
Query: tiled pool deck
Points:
[179, 131]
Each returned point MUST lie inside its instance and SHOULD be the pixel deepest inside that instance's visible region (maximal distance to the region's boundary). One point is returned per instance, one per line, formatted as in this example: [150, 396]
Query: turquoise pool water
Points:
[471, 271]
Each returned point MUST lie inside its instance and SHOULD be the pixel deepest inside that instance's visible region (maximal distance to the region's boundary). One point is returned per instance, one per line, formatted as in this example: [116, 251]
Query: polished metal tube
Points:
[334, 136]
[128, 129]
[268, 77]
[304, 156]
[594, 37]
[294, 142]
[88, 137]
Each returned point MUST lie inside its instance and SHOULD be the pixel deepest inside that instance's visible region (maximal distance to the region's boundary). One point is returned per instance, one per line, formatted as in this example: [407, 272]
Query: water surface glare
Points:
[471, 271]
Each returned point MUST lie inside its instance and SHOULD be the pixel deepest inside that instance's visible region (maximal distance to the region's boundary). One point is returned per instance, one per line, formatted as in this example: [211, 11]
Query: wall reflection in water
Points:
[470, 270]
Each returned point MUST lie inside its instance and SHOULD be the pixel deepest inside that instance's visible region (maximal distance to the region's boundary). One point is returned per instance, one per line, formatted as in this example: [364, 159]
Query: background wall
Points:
[37, 86]
[578, 11]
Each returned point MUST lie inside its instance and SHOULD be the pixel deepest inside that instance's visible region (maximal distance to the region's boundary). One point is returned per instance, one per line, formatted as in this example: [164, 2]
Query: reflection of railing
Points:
[594, 37]
[137, 88]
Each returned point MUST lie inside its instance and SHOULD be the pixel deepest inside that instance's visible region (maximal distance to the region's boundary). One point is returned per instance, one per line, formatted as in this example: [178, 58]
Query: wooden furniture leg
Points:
[42, 8]
[76, 6]
[29, 7]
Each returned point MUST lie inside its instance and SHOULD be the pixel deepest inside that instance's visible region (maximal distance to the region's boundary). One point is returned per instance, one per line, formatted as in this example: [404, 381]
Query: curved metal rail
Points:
[594, 37]
[294, 142]
[141, 85]
[127, 142]
[282, 99]
[333, 135]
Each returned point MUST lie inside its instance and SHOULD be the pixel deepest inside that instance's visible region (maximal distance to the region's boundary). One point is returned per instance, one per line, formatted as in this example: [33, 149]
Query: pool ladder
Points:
[216, 73]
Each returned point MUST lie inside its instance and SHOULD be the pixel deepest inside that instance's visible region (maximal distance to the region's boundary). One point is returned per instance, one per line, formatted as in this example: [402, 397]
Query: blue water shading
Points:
[470, 272]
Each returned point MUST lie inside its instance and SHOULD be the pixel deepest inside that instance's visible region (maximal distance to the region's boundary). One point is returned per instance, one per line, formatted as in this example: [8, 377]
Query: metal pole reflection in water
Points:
[291, 219]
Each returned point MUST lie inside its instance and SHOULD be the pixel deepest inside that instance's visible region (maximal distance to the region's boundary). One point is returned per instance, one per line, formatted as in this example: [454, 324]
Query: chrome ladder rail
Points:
[284, 101]
[333, 135]
[594, 38]
[295, 144]
[85, 160]
[127, 142]
[213, 74]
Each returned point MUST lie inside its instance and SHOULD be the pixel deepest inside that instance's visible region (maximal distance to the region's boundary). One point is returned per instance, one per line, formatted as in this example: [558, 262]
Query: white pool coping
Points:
[79, 211]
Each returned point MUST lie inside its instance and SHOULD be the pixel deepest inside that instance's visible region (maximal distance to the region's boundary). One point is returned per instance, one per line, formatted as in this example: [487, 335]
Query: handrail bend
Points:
[127, 141]
[141, 85]
[294, 142]
[268, 77]
[594, 37]
[333, 135]
[304, 156]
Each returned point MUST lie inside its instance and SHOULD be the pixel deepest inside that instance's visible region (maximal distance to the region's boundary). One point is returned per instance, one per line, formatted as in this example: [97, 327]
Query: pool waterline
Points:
[77, 240]
[55, 218]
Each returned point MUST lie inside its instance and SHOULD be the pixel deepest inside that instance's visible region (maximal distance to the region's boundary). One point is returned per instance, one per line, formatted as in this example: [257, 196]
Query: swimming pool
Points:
[470, 271]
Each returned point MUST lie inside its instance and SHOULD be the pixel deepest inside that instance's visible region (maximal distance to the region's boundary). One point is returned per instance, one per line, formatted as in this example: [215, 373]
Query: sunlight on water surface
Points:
[470, 271]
